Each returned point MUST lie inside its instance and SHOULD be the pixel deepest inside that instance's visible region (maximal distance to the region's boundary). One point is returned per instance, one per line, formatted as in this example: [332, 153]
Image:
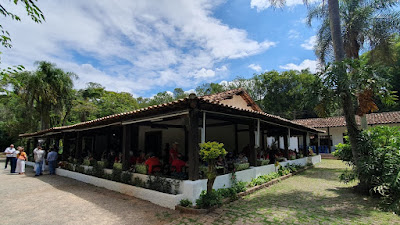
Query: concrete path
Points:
[25, 199]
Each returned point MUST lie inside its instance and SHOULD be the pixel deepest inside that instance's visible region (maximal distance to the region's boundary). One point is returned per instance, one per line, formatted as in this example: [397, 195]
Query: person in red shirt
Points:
[152, 162]
[177, 164]
[173, 152]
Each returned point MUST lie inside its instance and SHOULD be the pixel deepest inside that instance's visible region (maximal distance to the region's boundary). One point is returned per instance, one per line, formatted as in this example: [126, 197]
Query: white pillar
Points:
[257, 144]
[288, 138]
[203, 130]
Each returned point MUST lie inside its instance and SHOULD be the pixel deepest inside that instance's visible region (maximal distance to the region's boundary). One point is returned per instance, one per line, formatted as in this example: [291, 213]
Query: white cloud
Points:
[310, 43]
[261, 5]
[255, 67]
[132, 45]
[306, 64]
[293, 34]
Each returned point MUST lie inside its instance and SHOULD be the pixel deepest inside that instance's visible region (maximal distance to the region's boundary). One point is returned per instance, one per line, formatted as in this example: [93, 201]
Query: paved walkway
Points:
[26, 199]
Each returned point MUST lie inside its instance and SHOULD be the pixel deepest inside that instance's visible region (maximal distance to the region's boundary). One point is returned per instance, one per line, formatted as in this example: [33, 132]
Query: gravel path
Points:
[26, 199]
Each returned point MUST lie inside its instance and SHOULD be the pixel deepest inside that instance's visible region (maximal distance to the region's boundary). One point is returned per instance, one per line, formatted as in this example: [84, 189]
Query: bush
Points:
[240, 186]
[141, 168]
[126, 178]
[185, 202]
[378, 165]
[116, 174]
[228, 193]
[208, 200]
[138, 182]
[86, 162]
[263, 179]
[117, 166]
[242, 166]
[92, 162]
[80, 169]
[98, 169]
[158, 183]
[262, 162]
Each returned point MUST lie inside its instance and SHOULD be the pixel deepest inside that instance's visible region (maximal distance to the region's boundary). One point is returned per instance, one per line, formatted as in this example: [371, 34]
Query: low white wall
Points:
[187, 190]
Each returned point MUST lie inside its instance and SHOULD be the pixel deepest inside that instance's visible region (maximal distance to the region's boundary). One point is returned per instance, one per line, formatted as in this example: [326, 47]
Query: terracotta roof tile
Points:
[339, 121]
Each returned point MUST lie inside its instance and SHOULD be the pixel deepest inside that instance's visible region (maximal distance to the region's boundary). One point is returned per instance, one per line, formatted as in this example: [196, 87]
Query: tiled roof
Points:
[181, 103]
[339, 121]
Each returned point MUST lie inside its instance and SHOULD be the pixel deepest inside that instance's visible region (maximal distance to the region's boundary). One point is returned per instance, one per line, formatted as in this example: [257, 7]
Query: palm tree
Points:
[49, 91]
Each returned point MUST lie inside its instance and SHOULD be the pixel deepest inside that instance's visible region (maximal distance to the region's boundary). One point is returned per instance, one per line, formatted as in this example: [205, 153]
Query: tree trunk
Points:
[343, 86]
[211, 176]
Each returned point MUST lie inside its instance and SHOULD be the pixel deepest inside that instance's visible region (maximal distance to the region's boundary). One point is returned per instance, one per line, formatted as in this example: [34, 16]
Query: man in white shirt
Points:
[38, 154]
[10, 156]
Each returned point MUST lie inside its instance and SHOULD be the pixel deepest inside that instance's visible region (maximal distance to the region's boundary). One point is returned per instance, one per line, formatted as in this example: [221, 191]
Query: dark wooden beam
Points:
[252, 139]
[236, 140]
[78, 149]
[305, 149]
[126, 146]
[219, 124]
[286, 145]
[193, 147]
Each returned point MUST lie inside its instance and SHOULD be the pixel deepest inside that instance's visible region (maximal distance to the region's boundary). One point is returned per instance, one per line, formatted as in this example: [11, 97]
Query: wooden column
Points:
[252, 139]
[329, 141]
[28, 147]
[193, 139]
[126, 146]
[78, 149]
[236, 140]
[66, 150]
[35, 142]
[305, 150]
[286, 145]
[317, 143]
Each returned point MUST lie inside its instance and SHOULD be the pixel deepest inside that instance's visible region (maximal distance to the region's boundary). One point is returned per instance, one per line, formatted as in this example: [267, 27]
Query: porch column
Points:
[236, 140]
[305, 151]
[329, 141]
[317, 143]
[126, 146]
[35, 142]
[66, 150]
[78, 149]
[253, 154]
[257, 142]
[28, 146]
[193, 133]
[286, 144]
[203, 130]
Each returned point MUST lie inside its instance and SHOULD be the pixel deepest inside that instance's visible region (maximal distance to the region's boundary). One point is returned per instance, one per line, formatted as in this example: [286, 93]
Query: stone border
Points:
[191, 210]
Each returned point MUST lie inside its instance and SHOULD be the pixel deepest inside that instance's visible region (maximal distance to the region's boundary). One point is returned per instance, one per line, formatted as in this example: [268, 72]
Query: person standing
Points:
[14, 160]
[21, 158]
[52, 161]
[38, 154]
[9, 153]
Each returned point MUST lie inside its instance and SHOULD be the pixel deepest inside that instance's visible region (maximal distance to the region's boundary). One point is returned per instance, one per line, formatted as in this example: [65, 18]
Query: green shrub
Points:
[117, 166]
[262, 162]
[185, 203]
[209, 199]
[70, 167]
[86, 162]
[80, 169]
[242, 166]
[93, 162]
[263, 179]
[378, 165]
[126, 178]
[107, 176]
[138, 182]
[116, 174]
[240, 186]
[141, 168]
[98, 169]
[158, 183]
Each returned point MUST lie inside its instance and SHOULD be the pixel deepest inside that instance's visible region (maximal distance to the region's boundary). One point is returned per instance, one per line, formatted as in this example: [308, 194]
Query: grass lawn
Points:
[315, 196]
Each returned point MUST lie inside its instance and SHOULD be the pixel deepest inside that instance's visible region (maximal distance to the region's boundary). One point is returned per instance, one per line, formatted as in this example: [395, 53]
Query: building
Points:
[335, 127]
[230, 117]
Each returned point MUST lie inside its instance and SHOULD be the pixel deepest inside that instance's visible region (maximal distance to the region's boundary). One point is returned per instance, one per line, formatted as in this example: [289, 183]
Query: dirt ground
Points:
[47, 199]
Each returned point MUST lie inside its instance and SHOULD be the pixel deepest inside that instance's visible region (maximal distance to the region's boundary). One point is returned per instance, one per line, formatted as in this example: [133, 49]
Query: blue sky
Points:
[144, 47]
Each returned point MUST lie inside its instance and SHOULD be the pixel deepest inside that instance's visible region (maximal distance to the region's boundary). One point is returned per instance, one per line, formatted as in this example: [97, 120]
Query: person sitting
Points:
[230, 161]
[177, 164]
[221, 165]
[153, 163]
[173, 152]
[242, 158]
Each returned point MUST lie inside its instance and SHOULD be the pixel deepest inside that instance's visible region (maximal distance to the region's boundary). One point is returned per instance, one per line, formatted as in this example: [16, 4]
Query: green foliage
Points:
[117, 166]
[126, 178]
[209, 199]
[228, 193]
[116, 174]
[378, 166]
[262, 162]
[158, 183]
[80, 169]
[185, 202]
[86, 162]
[138, 182]
[343, 151]
[241, 166]
[240, 186]
[263, 179]
[98, 169]
[212, 150]
[141, 168]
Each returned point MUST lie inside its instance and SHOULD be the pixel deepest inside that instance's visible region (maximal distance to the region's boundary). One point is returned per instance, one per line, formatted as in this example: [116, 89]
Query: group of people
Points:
[18, 157]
